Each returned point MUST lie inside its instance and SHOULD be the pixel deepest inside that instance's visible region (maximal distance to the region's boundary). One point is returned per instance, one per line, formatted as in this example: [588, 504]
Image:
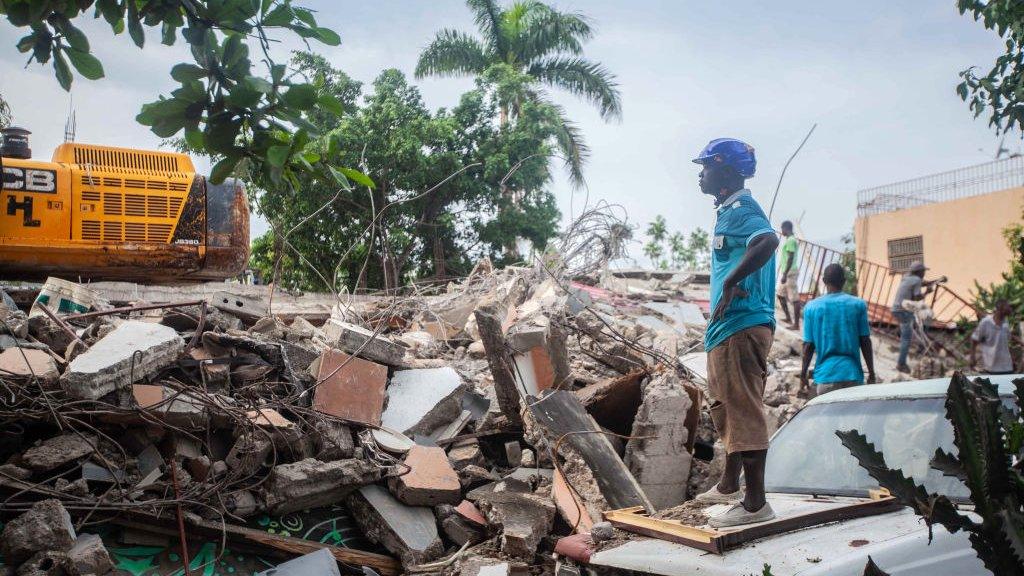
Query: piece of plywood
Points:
[569, 504]
[563, 415]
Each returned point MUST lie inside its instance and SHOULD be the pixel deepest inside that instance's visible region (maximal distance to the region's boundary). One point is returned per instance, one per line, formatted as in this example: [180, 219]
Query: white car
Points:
[808, 464]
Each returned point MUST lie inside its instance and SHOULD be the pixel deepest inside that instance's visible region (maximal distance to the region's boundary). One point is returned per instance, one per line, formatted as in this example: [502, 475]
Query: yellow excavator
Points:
[106, 213]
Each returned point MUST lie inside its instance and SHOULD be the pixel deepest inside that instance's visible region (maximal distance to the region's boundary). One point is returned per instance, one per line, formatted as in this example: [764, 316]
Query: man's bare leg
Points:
[785, 307]
[730, 481]
[753, 473]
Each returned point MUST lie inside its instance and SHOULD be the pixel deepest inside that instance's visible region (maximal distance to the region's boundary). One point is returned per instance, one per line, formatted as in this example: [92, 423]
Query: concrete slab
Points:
[679, 313]
[420, 401]
[350, 388]
[430, 481]
[311, 483]
[58, 451]
[174, 407]
[357, 340]
[108, 365]
[409, 532]
[697, 363]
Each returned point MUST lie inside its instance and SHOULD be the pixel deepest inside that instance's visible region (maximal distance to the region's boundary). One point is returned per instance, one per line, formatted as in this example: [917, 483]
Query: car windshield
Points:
[807, 457]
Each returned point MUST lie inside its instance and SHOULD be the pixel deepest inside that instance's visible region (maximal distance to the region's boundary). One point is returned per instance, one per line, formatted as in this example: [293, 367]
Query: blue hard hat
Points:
[731, 152]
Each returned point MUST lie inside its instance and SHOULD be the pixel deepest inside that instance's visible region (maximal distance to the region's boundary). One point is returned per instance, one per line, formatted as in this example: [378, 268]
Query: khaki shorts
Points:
[736, 374]
[789, 289]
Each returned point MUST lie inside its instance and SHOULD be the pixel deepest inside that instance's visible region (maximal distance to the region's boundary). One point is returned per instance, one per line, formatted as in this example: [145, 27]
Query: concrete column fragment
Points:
[58, 451]
[658, 455]
[109, 364]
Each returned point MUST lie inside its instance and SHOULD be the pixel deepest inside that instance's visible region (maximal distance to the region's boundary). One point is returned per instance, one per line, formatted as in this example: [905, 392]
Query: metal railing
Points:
[951, 185]
[876, 284]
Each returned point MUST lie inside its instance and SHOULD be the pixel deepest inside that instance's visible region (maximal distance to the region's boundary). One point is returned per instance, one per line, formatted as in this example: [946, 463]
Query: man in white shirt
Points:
[992, 337]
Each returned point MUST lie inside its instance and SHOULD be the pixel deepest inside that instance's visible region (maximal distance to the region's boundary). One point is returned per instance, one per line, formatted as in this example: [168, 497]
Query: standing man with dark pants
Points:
[912, 287]
[741, 330]
[789, 276]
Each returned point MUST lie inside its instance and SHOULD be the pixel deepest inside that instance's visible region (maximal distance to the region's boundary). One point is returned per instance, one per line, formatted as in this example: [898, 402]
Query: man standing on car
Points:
[836, 328]
[789, 276]
[992, 336]
[741, 329]
[910, 288]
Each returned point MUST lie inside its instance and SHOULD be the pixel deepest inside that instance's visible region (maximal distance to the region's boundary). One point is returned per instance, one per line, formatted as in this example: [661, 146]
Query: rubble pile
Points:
[466, 432]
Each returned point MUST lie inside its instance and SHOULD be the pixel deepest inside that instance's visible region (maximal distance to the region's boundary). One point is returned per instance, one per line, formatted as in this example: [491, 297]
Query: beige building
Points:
[952, 221]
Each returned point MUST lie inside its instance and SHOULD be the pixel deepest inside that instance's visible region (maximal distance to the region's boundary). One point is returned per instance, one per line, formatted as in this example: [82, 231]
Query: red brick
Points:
[355, 392]
[147, 395]
[470, 512]
[431, 480]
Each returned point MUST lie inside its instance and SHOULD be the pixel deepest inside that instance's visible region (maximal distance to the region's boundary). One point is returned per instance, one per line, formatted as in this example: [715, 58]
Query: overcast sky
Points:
[877, 76]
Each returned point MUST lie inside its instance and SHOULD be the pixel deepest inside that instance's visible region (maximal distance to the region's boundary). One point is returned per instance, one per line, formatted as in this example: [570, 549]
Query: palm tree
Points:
[540, 42]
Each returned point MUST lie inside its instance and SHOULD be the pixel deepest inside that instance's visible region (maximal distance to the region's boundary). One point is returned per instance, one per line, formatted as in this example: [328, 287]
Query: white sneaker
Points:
[713, 496]
[738, 515]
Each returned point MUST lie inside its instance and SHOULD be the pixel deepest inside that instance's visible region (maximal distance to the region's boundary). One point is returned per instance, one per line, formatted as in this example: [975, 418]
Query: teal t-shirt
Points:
[740, 219]
[834, 323]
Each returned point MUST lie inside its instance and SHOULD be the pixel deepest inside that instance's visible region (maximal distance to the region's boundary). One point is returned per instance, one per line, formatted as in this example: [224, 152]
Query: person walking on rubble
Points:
[912, 287]
[836, 329]
[789, 276]
[741, 330]
[992, 336]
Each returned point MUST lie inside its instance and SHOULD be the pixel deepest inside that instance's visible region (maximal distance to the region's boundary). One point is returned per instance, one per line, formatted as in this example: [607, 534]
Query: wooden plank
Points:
[632, 521]
[718, 541]
[791, 523]
[563, 415]
[488, 322]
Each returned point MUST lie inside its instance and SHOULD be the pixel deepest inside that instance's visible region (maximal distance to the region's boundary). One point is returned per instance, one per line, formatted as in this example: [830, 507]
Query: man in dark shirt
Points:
[912, 287]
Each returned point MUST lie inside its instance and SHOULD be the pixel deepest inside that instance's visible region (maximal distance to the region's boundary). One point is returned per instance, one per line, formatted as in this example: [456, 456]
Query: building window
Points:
[904, 251]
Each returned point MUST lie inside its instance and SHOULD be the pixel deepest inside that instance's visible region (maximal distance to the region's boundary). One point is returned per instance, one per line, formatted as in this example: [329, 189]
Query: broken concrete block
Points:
[319, 563]
[514, 454]
[523, 517]
[108, 365]
[333, 441]
[22, 364]
[420, 401]
[58, 451]
[247, 309]
[658, 456]
[466, 453]
[249, 453]
[46, 563]
[311, 483]
[430, 480]
[361, 342]
[350, 388]
[457, 525]
[45, 527]
[409, 532]
[177, 408]
[89, 556]
[602, 531]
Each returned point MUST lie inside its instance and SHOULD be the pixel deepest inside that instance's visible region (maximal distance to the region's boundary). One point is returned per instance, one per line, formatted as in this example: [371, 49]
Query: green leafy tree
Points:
[691, 252]
[436, 205]
[225, 107]
[1000, 91]
[535, 40]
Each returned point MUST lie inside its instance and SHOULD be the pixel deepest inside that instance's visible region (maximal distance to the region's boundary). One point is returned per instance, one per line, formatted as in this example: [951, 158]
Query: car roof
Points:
[933, 388]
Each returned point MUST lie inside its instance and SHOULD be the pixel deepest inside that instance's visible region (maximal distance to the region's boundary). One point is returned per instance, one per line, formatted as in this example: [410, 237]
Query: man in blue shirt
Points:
[741, 329]
[836, 329]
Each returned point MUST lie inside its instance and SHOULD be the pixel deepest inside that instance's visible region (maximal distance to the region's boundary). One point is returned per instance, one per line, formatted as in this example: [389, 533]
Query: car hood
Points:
[897, 541]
